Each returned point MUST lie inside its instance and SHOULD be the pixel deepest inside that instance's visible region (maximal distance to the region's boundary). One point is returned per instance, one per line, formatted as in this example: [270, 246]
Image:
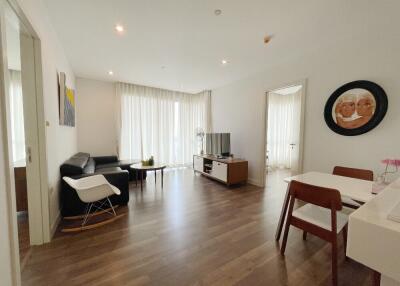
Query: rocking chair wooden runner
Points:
[95, 192]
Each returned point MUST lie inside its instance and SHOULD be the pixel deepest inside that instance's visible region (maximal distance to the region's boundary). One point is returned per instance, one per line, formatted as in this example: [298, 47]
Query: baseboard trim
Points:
[254, 182]
[54, 226]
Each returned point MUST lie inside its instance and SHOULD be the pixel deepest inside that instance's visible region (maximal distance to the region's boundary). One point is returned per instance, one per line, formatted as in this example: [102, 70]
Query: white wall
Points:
[96, 117]
[61, 140]
[239, 107]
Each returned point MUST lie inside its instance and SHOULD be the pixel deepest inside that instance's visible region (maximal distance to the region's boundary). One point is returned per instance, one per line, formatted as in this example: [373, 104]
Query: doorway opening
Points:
[14, 33]
[284, 129]
[23, 132]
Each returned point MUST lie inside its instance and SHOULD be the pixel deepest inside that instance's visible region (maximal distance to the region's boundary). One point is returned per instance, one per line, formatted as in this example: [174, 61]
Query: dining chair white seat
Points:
[320, 216]
[347, 211]
[316, 216]
[348, 201]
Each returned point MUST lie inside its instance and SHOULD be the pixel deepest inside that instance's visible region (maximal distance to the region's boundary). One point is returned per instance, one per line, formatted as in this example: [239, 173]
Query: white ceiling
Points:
[186, 37]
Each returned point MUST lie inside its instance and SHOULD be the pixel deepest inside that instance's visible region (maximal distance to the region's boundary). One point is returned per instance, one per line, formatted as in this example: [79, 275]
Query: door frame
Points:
[39, 229]
[303, 83]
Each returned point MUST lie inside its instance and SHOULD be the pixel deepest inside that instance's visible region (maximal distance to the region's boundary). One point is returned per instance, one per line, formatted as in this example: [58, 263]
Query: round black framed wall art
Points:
[356, 108]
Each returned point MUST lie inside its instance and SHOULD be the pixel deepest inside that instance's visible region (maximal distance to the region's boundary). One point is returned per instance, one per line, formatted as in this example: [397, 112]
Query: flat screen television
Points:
[218, 144]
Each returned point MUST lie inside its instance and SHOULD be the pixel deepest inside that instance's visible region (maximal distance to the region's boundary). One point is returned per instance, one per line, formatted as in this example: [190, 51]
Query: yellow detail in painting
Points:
[71, 96]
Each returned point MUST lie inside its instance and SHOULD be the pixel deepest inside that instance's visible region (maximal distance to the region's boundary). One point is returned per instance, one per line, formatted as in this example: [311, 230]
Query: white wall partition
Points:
[161, 123]
[325, 70]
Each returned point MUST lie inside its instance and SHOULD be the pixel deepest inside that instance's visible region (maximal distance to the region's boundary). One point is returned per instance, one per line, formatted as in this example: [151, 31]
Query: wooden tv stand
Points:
[228, 171]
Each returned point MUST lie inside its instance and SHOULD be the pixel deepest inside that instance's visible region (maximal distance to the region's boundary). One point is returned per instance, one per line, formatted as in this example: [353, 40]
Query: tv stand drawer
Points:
[220, 171]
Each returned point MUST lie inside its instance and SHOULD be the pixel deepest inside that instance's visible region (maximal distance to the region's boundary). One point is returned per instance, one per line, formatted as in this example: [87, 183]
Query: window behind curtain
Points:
[17, 116]
[283, 128]
[161, 123]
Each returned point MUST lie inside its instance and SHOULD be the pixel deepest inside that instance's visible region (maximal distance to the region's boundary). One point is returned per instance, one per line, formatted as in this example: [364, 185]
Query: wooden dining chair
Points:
[320, 217]
[361, 174]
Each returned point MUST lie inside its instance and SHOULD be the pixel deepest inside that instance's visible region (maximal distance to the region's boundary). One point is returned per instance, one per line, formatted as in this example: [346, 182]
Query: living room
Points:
[169, 110]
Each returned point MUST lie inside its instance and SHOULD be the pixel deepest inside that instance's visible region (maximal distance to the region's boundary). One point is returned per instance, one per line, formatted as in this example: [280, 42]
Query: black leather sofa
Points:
[81, 165]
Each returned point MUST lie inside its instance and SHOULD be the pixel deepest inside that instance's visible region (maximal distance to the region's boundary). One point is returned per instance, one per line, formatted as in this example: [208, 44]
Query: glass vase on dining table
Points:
[382, 181]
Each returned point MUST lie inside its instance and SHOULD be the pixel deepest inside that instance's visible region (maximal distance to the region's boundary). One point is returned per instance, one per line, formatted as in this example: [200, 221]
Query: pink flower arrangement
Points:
[389, 162]
[392, 162]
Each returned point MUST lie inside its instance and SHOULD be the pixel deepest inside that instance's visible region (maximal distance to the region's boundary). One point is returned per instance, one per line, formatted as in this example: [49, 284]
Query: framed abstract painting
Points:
[66, 99]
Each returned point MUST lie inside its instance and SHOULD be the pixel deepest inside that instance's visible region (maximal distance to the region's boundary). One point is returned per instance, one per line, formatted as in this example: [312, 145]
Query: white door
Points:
[284, 128]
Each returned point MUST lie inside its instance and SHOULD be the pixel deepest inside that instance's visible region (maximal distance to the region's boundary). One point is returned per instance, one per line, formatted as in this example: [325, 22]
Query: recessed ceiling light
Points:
[268, 39]
[110, 72]
[217, 12]
[119, 28]
[224, 62]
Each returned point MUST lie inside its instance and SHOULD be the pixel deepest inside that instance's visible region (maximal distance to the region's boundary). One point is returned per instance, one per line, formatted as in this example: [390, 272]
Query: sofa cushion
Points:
[90, 167]
[108, 170]
[124, 164]
[81, 154]
[74, 165]
[108, 165]
[128, 163]
[105, 159]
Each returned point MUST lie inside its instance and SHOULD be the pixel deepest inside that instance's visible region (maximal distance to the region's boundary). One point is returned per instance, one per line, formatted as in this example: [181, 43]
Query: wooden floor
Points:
[23, 238]
[194, 232]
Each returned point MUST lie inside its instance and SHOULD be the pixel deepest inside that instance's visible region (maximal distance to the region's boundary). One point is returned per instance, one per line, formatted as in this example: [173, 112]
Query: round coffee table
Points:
[142, 169]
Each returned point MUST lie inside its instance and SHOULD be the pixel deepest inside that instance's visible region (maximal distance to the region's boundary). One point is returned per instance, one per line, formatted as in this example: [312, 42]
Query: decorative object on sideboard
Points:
[391, 167]
[66, 100]
[148, 162]
[356, 108]
[200, 136]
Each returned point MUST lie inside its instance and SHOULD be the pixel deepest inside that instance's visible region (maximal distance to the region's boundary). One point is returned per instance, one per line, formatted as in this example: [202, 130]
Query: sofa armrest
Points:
[105, 159]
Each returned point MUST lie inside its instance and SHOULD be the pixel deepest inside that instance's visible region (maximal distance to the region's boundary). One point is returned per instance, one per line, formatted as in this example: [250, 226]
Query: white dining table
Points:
[355, 189]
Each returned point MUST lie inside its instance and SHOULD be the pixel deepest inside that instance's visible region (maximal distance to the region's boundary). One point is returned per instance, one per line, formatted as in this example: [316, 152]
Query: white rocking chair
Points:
[95, 192]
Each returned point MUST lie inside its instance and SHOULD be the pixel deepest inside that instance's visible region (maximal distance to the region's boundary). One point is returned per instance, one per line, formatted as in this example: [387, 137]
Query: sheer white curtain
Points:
[283, 128]
[17, 116]
[193, 112]
[160, 123]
